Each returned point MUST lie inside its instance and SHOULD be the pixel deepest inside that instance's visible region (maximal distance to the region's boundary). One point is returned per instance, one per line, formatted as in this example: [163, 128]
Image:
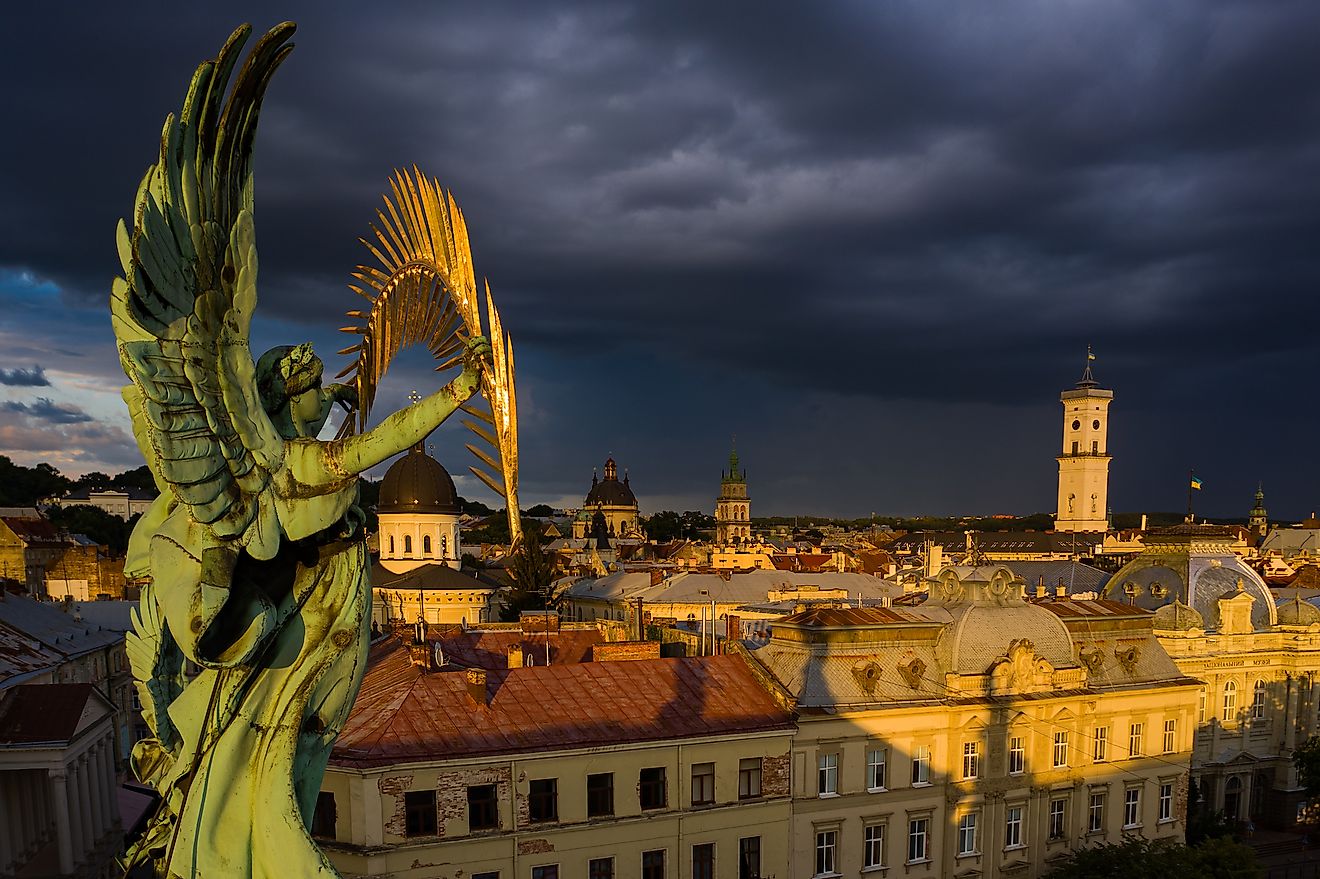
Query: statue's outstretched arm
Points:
[409, 426]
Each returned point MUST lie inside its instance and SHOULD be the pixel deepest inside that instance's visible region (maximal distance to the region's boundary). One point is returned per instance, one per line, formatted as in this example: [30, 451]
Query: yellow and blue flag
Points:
[1196, 483]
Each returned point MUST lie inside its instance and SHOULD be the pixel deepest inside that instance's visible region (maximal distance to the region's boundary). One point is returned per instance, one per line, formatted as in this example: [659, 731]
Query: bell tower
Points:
[733, 520]
[1083, 503]
[1258, 522]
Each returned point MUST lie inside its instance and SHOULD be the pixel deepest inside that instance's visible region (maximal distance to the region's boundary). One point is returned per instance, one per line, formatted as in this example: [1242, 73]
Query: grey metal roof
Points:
[745, 587]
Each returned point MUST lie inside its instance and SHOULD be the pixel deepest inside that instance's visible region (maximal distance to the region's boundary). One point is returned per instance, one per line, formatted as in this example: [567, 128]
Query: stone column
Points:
[1290, 727]
[27, 822]
[96, 799]
[63, 826]
[84, 808]
[111, 786]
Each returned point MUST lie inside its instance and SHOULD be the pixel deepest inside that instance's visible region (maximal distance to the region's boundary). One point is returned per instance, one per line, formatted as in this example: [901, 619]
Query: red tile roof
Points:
[403, 714]
[477, 649]
[33, 713]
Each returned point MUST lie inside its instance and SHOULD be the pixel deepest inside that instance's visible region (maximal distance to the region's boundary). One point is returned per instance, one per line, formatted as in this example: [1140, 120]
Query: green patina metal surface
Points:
[254, 552]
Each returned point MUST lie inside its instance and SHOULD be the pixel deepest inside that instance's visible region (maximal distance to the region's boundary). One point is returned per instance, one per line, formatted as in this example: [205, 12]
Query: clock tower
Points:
[1083, 503]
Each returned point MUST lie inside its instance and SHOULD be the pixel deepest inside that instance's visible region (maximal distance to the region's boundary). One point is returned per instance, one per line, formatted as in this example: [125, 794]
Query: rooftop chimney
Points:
[1060, 591]
[476, 684]
[515, 656]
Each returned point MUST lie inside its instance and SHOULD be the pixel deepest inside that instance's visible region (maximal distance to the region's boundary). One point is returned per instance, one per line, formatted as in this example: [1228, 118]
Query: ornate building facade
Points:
[733, 518]
[1083, 495]
[418, 509]
[610, 507]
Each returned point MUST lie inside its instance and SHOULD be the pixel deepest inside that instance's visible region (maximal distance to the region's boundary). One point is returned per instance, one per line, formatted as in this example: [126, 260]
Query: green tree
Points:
[102, 527]
[664, 526]
[1216, 858]
[532, 570]
[1307, 760]
[540, 511]
[25, 486]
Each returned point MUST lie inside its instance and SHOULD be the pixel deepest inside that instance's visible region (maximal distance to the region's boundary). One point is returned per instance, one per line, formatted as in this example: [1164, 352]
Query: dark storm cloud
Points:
[24, 378]
[736, 211]
[45, 409]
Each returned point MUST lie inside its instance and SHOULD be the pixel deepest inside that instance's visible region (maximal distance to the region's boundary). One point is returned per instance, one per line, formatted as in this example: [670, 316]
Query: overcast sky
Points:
[871, 240]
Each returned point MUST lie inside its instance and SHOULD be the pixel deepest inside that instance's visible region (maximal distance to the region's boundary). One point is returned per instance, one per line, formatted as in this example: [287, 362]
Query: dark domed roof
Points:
[610, 492]
[417, 483]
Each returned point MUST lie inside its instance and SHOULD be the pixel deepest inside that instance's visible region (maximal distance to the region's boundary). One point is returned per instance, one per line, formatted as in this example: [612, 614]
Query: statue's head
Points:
[285, 372]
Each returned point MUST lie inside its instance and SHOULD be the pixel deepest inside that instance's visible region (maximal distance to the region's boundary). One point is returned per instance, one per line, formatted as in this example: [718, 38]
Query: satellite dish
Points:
[439, 652]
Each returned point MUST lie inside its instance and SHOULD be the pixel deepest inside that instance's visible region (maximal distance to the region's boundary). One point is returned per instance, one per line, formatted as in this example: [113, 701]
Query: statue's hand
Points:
[345, 394]
[476, 359]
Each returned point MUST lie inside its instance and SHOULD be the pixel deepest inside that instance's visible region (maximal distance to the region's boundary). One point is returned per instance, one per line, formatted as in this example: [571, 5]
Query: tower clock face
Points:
[1077, 425]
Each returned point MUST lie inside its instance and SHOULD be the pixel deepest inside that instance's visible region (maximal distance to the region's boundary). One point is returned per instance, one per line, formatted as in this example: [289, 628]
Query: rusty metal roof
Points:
[490, 650]
[1100, 607]
[853, 616]
[39, 531]
[35, 713]
[403, 714]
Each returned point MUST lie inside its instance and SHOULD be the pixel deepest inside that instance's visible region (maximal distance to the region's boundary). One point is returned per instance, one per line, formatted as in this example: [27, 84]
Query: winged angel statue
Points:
[254, 554]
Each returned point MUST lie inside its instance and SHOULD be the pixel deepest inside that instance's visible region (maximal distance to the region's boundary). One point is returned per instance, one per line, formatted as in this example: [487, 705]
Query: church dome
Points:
[610, 492]
[1295, 612]
[417, 483]
[1178, 617]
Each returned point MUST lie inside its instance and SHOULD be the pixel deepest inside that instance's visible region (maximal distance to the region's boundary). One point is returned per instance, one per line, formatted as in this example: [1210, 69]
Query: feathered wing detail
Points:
[423, 290]
[157, 666]
[183, 308]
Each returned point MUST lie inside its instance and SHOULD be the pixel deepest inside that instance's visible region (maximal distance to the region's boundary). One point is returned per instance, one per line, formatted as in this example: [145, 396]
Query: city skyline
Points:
[874, 245]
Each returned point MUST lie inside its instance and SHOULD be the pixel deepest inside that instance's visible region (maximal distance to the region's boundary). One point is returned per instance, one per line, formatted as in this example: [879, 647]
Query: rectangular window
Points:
[1060, 749]
[1132, 807]
[703, 784]
[543, 800]
[1166, 801]
[875, 769]
[921, 765]
[971, 759]
[653, 864]
[827, 850]
[873, 845]
[918, 839]
[489, 874]
[703, 861]
[600, 794]
[1096, 820]
[749, 778]
[419, 813]
[483, 807]
[1101, 753]
[827, 774]
[1170, 736]
[1135, 736]
[600, 868]
[651, 788]
[1013, 827]
[967, 834]
[1201, 700]
[547, 871]
[749, 857]
[1058, 818]
[1017, 755]
[323, 819]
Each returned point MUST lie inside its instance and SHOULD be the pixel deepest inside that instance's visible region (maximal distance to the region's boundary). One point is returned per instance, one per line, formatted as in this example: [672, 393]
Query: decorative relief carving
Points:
[867, 674]
[912, 673]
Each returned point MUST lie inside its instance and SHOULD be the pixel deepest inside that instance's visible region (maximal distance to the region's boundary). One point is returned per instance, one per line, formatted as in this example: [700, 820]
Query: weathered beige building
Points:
[639, 767]
[978, 734]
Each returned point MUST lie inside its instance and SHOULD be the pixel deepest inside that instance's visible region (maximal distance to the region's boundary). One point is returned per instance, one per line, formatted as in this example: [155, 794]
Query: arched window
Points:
[1230, 700]
[1258, 700]
[426, 544]
[407, 544]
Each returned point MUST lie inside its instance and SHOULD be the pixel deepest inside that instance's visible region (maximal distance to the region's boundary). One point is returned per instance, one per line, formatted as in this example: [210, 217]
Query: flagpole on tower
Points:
[1191, 477]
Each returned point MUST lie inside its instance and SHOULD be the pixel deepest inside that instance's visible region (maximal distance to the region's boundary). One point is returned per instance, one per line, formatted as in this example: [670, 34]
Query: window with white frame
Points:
[1166, 801]
[875, 768]
[971, 767]
[1095, 821]
[1136, 736]
[1101, 751]
[967, 834]
[1132, 807]
[827, 774]
[1060, 749]
[1258, 700]
[918, 839]
[873, 845]
[921, 765]
[827, 852]
[1013, 827]
[1058, 818]
[1230, 701]
[1201, 701]
[1170, 736]
[1017, 755]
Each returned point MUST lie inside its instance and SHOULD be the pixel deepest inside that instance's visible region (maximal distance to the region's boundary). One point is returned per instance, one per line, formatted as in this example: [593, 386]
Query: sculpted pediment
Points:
[1020, 670]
